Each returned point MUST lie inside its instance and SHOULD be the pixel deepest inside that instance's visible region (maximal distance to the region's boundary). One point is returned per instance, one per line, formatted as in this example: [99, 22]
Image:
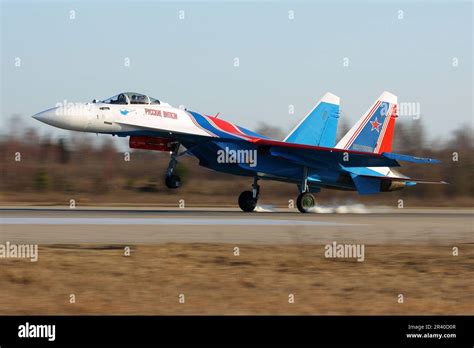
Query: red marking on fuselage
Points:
[199, 126]
[228, 128]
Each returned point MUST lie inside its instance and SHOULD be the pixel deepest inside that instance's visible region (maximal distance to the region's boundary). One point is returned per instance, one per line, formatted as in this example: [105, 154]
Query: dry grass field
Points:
[259, 281]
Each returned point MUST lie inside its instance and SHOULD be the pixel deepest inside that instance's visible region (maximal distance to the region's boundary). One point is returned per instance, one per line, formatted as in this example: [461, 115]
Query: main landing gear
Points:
[305, 201]
[248, 199]
[172, 180]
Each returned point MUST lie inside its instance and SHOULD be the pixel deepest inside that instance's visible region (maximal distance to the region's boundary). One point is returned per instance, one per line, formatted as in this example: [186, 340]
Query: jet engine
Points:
[389, 185]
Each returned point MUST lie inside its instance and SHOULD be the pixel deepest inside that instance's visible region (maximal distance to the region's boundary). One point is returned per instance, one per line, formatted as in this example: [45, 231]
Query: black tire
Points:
[173, 181]
[246, 201]
[305, 202]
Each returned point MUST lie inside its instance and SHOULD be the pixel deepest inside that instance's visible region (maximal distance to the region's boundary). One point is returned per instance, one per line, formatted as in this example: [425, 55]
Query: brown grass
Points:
[214, 281]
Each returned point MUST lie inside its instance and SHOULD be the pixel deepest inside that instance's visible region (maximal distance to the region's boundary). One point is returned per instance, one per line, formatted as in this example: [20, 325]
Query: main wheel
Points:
[246, 201]
[305, 202]
[173, 181]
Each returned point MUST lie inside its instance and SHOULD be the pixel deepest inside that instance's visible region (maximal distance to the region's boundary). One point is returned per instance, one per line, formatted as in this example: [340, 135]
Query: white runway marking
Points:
[164, 221]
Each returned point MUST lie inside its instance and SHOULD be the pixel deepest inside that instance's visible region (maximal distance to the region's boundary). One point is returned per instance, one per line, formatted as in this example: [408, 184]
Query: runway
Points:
[376, 225]
[191, 251]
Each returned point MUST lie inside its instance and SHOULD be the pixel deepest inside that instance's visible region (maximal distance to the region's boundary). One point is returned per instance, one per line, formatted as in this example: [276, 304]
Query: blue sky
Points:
[283, 61]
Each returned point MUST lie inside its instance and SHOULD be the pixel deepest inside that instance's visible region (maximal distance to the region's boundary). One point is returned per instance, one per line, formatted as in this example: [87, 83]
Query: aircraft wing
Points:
[315, 155]
[307, 155]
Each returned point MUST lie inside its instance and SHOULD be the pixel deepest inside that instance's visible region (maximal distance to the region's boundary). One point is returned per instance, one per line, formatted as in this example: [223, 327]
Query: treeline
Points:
[37, 168]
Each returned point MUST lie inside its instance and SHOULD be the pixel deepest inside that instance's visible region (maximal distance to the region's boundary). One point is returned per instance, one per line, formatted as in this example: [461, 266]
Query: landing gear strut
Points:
[305, 201]
[248, 199]
[172, 180]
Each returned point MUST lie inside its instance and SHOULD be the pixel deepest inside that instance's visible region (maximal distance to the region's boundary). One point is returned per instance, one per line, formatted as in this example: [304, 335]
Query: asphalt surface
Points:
[376, 225]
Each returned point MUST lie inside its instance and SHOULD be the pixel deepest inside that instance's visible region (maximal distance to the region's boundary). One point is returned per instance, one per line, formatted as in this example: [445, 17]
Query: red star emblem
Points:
[375, 125]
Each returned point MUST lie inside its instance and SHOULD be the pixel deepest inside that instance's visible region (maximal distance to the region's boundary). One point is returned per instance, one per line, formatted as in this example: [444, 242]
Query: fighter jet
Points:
[308, 157]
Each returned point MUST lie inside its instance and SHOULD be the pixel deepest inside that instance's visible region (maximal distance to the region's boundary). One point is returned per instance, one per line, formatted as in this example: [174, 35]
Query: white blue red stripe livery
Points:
[308, 157]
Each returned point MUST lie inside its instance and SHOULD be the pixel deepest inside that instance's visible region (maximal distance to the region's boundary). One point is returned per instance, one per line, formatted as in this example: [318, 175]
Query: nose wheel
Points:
[248, 199]
[173, 181]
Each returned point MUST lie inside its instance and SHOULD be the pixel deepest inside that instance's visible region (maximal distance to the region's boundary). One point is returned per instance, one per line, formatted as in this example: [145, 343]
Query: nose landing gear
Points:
[172, 180]
[248, 199]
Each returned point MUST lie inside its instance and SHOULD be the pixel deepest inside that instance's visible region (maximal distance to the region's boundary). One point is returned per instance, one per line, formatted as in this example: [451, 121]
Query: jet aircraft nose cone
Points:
[49, 116]
[73, 116]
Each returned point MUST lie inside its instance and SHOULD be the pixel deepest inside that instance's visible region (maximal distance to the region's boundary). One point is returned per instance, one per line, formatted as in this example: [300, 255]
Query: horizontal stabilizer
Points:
[406, 179]
[372, 174]
[366, 185]
[407, 158]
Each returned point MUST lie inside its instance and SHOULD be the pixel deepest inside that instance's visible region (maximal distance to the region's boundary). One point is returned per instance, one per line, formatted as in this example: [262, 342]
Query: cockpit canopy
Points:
[131, 98]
